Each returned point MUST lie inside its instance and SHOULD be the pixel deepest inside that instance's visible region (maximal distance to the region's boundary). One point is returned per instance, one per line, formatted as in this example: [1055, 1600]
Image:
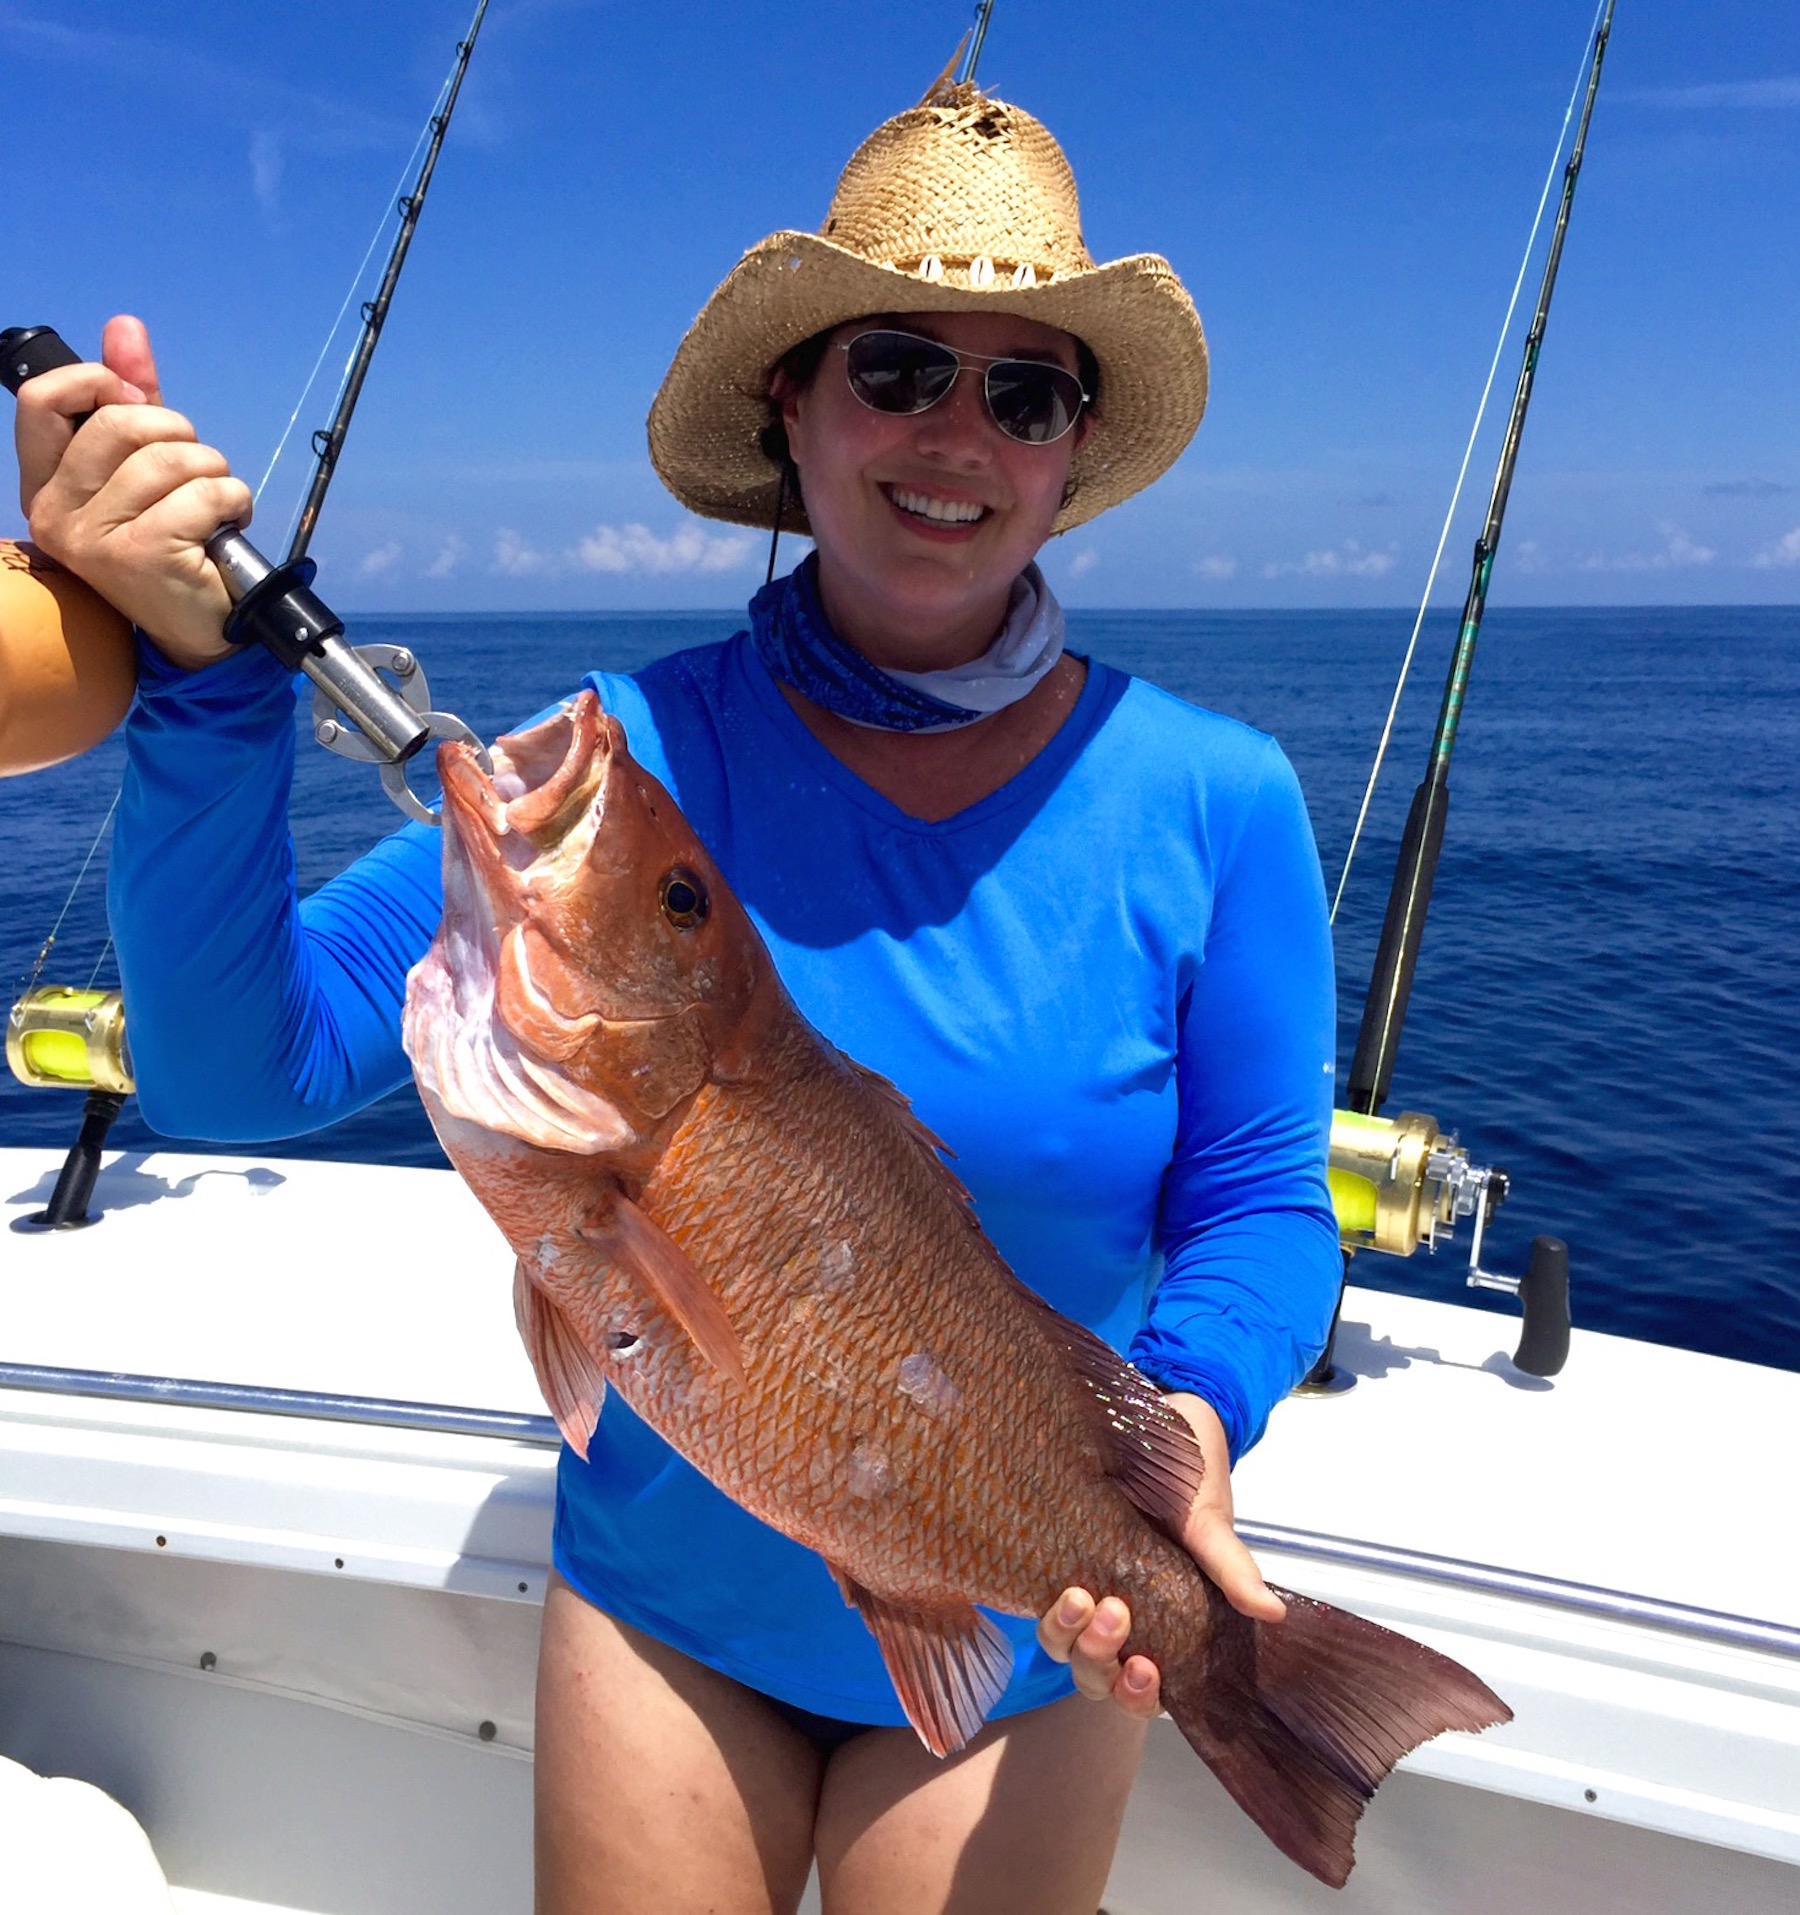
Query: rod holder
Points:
[68, 1205]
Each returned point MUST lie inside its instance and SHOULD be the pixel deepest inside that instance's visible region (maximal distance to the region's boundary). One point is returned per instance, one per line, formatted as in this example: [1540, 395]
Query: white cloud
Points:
[448, 559]
[635, 548]
[1348, 560]
[381, 560]
[1779, 90]
[265, 170]
[1785, 550]
[1686, 551]
[1678, 553]
[1216, 565]
[514, 558]
[1083, 562]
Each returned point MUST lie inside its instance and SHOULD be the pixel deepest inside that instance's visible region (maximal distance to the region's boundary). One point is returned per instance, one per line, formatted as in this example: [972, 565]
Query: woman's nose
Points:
[958, 426]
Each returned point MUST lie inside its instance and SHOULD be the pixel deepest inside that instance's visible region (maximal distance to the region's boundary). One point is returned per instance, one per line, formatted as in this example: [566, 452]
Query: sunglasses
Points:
[901, 373]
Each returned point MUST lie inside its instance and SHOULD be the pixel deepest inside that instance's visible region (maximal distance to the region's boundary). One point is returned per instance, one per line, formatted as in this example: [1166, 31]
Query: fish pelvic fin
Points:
[634, 1240]
[1302, 1719]
[948, 1665]
[570, 1379]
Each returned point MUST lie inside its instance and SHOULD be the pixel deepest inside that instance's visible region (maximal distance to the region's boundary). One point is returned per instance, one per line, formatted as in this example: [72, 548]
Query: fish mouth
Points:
[515, 844]
[547, 783]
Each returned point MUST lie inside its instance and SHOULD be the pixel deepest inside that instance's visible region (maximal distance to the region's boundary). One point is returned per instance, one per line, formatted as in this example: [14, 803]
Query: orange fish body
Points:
[721, 1216]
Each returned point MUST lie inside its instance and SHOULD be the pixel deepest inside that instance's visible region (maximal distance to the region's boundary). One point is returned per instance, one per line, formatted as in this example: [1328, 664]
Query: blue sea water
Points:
[1607, 1005]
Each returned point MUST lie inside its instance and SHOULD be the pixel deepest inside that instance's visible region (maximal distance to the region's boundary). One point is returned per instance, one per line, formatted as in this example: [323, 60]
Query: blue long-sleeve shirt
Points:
[1107, 986]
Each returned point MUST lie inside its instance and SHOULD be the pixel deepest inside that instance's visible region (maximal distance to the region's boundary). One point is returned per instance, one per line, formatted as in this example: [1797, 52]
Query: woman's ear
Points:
[786, 397]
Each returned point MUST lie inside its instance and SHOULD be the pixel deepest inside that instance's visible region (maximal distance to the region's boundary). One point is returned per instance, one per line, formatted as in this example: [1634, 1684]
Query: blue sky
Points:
[1345, 189]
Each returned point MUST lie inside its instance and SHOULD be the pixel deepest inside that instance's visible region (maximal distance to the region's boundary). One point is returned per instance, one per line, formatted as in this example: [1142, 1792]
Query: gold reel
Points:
[1398, 1182]
[63, 1039]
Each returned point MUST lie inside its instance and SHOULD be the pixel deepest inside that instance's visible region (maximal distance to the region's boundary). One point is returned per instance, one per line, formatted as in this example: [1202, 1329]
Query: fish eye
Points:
[684, 901]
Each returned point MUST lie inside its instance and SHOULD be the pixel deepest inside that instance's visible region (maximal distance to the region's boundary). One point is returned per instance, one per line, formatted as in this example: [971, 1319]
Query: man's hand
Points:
[128, 501]
[1089, 1635]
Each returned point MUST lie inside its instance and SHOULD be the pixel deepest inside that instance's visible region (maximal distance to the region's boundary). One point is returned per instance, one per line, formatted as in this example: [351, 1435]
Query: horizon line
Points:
[1103, 611]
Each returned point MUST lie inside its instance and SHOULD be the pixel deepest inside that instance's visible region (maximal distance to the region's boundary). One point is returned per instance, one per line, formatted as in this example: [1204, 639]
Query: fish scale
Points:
[759, 1247]
[777, 1442]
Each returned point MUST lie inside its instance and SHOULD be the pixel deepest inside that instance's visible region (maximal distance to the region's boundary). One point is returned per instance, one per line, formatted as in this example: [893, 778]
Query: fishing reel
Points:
[1398, 1183]
[63, 1039]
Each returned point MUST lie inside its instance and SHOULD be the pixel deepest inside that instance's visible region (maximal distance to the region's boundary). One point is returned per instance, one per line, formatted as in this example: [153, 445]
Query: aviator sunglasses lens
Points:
[1030, 402]
[899, 372]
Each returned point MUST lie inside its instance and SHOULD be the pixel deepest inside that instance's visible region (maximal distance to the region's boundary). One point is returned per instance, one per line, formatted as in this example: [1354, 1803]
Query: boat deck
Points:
[359, 1598]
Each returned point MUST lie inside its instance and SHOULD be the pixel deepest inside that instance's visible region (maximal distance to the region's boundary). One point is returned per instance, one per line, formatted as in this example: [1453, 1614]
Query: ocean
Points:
[1607, 1005]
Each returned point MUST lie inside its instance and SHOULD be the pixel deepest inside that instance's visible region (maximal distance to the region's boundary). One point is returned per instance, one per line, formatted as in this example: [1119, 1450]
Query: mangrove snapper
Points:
[721, 1216]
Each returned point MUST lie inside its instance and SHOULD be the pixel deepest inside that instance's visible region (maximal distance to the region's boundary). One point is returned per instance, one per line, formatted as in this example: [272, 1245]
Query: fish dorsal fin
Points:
[1151, 1452]
[930, 1146]
[569, 1377]
[948, 1666]
[634, 1240]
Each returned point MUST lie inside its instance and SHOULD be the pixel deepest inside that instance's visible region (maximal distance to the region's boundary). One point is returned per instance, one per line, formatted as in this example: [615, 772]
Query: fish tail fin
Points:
[1301, 1720]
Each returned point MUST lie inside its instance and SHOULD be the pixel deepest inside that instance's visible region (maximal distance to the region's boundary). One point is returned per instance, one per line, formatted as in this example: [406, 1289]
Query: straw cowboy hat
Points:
[963, 204]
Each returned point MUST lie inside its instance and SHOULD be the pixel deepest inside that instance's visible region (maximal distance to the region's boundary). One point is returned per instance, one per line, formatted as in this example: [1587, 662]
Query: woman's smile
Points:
[935, 514]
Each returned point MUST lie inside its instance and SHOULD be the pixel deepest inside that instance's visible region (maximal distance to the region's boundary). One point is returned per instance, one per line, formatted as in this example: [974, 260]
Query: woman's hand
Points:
[128, 501]
[1089, 1635]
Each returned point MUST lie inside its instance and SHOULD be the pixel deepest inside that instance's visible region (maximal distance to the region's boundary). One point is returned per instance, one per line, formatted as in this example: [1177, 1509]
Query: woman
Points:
[1081, 923]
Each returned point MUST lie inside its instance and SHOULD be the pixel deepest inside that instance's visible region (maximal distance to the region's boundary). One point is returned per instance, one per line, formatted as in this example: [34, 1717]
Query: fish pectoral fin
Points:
[1149, 1449]
[949, 1666]
[570, 1379]
[634, 1240]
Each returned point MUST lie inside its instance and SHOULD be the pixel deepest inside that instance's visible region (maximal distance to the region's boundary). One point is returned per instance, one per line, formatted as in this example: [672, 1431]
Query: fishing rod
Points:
[1400, 1183]
[977, 39]
[57, 1037]
[1403, 929]
[328, 443]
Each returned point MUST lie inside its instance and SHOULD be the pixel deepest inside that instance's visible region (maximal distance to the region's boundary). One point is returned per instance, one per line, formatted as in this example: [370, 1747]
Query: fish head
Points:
[592, 963]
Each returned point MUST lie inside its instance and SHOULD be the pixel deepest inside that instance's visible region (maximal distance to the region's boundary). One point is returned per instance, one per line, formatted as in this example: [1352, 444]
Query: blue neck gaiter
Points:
[794, 639]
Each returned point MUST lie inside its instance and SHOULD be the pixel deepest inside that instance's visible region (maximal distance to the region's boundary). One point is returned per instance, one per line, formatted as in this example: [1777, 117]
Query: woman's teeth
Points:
[945, 511]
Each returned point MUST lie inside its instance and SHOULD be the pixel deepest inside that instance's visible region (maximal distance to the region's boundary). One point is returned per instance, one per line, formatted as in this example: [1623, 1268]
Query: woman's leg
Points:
[662, 1786]
[1023, 1822]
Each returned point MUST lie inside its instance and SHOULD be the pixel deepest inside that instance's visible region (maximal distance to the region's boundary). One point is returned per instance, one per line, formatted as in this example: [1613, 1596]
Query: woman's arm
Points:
[67, 665]
[1251, 1260]
[251, 1015]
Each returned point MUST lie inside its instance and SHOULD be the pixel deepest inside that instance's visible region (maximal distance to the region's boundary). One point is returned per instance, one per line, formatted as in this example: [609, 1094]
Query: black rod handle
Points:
[1397, 956]
[1544, 1293]
[25, 351]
